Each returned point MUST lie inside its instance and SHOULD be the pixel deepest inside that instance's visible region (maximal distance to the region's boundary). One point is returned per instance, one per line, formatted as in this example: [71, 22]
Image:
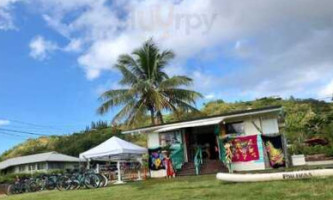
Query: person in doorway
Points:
[170, 172]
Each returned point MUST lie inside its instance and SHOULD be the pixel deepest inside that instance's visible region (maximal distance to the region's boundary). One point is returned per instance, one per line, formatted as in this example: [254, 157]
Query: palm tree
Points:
[148, 89]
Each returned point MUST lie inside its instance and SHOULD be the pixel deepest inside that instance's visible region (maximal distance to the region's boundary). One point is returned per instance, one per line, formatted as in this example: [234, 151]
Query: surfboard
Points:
[274, 176]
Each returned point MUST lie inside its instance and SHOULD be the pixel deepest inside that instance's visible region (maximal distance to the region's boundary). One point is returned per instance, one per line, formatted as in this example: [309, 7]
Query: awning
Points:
[205, 122]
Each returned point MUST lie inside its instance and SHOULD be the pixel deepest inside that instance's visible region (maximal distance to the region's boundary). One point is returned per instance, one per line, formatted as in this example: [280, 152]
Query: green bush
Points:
[311, 150]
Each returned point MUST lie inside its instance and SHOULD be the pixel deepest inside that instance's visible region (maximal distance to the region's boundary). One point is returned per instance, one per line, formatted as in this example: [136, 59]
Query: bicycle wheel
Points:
[40, 184]
[63, 183]
[75, 185]
[33, 187]
[106, 180]
[102, 180]
[50, 184]
[11, 189]
[91, 181]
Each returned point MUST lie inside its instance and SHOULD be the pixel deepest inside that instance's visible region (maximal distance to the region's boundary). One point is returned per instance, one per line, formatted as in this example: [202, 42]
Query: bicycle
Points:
[87, 179]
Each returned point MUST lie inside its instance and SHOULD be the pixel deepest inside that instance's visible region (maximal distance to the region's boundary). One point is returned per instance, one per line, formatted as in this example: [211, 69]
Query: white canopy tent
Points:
[114, 149]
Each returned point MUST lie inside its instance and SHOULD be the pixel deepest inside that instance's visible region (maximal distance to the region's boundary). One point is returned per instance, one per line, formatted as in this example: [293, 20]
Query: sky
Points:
[57, 56]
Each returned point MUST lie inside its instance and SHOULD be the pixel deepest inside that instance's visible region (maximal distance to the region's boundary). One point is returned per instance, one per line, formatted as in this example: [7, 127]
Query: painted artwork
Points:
[156, 159]
[273, 146]
[244, 149]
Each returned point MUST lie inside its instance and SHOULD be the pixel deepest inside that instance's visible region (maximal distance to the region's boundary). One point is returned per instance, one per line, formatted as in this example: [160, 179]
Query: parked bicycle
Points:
[69, 181]
[22, 185]
[46, 182]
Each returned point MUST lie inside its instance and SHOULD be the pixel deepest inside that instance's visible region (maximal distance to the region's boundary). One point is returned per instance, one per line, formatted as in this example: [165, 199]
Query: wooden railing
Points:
[198, 160]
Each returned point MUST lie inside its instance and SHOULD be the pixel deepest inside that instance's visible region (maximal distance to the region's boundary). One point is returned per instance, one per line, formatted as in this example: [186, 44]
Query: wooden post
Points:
[285, 150]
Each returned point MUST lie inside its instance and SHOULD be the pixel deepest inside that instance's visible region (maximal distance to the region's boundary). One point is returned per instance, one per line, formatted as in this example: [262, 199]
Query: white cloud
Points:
[6, 18]
[40, 48]
[210, 96]
[4, 122]
[75, 45]
[284, 46]
[327, 90]
[103, 54]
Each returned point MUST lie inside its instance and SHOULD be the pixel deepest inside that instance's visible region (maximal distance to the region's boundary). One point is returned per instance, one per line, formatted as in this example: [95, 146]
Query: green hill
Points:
[304, 118]
[72, 144]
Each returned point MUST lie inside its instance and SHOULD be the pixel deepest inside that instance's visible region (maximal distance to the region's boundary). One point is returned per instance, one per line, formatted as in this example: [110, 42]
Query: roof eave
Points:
[225, 116]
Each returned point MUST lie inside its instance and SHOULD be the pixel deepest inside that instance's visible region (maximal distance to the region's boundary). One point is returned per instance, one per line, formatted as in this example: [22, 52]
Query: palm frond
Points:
[184, 105]
[124, 112]
[113, 93]
[114, 98]
[165, 57]
[175, 81]
[137, 113]
[129, 77]
[186, 95]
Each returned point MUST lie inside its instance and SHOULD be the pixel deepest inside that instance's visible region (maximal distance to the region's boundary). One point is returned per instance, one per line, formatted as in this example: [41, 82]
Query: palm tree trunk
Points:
[160, 117]
[152, 117]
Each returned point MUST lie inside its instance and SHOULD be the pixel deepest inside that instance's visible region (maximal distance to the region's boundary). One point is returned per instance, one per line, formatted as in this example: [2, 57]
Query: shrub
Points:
[311, 150]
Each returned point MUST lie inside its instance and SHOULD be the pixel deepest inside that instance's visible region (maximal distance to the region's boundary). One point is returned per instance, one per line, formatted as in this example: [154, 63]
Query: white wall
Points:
[153, 140]
[267, 123]
[270, 125]
[249, 127]
[158, 173]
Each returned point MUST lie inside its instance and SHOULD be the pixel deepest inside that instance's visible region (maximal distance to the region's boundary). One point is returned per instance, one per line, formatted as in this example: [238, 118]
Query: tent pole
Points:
[139, 175]
[119, 174]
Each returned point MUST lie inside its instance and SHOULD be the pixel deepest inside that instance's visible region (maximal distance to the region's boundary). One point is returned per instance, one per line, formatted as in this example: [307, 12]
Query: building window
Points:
[41, 166]
[32, 167]
[22, 168]
[235, 128]
[170, 138]
[56, 165]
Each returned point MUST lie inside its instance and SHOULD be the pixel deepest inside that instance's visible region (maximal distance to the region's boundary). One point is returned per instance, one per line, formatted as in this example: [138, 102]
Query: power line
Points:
[39, 126]
[10, 134]
[25, 132]
[36, 125]
[33, 129]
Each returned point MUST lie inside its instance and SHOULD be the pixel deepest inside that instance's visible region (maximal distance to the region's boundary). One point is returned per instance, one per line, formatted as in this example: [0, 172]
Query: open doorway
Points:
[204, 138]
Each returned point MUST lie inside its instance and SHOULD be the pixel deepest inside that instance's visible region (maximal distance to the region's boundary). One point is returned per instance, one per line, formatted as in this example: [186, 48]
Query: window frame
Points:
[229, 124]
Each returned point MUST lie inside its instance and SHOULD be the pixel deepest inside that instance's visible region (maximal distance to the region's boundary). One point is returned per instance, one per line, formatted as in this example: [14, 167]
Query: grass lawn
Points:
[196, 187]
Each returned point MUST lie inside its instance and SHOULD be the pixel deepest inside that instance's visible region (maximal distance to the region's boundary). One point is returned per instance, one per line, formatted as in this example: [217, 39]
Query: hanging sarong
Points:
[244, 149]
[156, 159]
[274, 149]
[169, 168]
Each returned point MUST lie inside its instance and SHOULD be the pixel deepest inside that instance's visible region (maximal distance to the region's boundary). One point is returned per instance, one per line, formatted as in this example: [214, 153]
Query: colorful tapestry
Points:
[244, 149]
[156, 159]
[273, 146]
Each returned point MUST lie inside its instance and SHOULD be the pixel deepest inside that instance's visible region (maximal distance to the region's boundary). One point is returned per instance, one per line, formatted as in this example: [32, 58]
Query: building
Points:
[42, 162]
[199, 145]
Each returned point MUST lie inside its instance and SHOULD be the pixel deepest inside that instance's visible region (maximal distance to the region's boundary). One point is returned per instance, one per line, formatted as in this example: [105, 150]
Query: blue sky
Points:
[57, 56]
